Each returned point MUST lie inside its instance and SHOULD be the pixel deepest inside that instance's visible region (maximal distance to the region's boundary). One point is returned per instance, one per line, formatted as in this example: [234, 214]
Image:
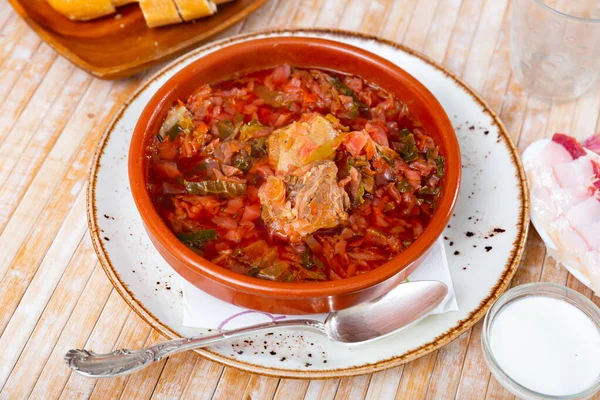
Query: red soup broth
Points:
[294, 174]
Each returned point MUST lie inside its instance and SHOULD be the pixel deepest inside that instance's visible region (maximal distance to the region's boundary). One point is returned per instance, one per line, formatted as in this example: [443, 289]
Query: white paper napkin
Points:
[201, 310]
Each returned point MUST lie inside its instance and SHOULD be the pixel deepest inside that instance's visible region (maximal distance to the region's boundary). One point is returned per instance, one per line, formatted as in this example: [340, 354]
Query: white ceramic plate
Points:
[484, 240]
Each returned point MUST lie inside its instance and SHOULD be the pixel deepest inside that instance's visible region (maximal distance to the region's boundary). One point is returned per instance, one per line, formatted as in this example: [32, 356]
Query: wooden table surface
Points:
[55, 296]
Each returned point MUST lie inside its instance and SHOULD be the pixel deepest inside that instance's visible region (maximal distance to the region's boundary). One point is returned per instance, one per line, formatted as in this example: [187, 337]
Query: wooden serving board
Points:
[120, 45]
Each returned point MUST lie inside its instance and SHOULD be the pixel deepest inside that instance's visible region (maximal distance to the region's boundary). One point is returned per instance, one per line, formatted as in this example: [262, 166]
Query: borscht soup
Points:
[294, 175]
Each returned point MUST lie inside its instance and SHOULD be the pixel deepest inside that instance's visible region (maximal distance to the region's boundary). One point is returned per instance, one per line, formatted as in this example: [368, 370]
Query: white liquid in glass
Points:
[547, 345]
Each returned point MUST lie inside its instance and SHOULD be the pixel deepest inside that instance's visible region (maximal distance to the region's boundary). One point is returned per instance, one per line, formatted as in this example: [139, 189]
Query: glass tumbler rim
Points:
[573, 297]
[567, 16]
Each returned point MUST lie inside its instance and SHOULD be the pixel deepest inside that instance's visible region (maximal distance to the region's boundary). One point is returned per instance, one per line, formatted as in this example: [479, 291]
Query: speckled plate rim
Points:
[441, 340]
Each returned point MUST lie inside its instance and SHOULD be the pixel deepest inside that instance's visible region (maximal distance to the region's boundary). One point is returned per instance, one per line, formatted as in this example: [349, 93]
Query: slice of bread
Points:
[82, 10]
[192, 9]
[159, 12]
[156, 12]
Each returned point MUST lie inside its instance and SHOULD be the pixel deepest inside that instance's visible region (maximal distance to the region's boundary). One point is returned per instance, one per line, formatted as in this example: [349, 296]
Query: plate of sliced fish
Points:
[564, 180]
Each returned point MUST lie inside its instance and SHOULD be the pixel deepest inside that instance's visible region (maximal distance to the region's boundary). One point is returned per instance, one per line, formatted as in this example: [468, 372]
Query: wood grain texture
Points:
[55, 295]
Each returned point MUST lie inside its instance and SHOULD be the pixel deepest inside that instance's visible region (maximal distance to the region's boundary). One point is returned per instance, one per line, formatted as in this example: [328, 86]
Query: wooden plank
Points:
[322, 389]
[384, 384]
[9, 40]
[498, 73]
[352, 18]
[24, 87]
[26, 214]
[496, 391]
[232, 384]
[6, 13]
[331, 13]
[290, 389]
[66, 160]
[260, 387]
[440, 29]
[462, 35]
[480, 52]
[534, 123]
[307, 13]
[18, 61]
[51, 323]
[399, 19]
[75, 334]
[353, 388]
[514, 106]
[418, 29]
[9, 18]
[175, 375]
[376, 16]
[475, 374]
[284, 14]
[234, 30]
[576, 285]
[446, 372]
[32, 158]
[560, 119]
[257, 19]
[21, 130]
[416, 376]
[503, 93]
[586, 115]
[203, 380]
[21, 323]
[26, 262]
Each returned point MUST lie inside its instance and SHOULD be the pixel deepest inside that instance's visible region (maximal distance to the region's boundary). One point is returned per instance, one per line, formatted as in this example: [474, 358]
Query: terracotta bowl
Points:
[278, 297]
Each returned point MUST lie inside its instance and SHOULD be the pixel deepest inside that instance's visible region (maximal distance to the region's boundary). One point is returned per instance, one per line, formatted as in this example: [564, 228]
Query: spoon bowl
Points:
[403, 306]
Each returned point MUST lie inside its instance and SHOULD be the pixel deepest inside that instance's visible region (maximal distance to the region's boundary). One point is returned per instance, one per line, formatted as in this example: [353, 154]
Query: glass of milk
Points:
[542, 341]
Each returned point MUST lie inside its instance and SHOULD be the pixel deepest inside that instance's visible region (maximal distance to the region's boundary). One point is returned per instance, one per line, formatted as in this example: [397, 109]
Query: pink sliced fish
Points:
[590, 233]
[565, 204]
[574, 237]
[553, 154]
[550, 196]
[583, 263]
[573, 174]
[585, 213]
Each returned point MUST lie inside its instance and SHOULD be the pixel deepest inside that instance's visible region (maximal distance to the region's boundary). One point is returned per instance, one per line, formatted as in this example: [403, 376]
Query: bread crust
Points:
[83, 10]
[192, 9]
[159, 12]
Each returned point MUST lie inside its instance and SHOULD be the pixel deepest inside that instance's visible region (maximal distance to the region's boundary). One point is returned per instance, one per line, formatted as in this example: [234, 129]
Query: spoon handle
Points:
[123, 362]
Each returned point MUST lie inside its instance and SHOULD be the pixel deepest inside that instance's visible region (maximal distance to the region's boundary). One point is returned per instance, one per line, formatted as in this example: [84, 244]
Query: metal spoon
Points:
[402, 306]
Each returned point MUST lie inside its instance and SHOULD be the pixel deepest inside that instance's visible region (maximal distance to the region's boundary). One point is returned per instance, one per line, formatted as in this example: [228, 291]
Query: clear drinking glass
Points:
[555, 46]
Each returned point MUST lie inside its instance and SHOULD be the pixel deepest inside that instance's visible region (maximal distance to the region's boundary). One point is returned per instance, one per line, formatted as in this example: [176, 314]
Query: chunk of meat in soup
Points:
[306, 204]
